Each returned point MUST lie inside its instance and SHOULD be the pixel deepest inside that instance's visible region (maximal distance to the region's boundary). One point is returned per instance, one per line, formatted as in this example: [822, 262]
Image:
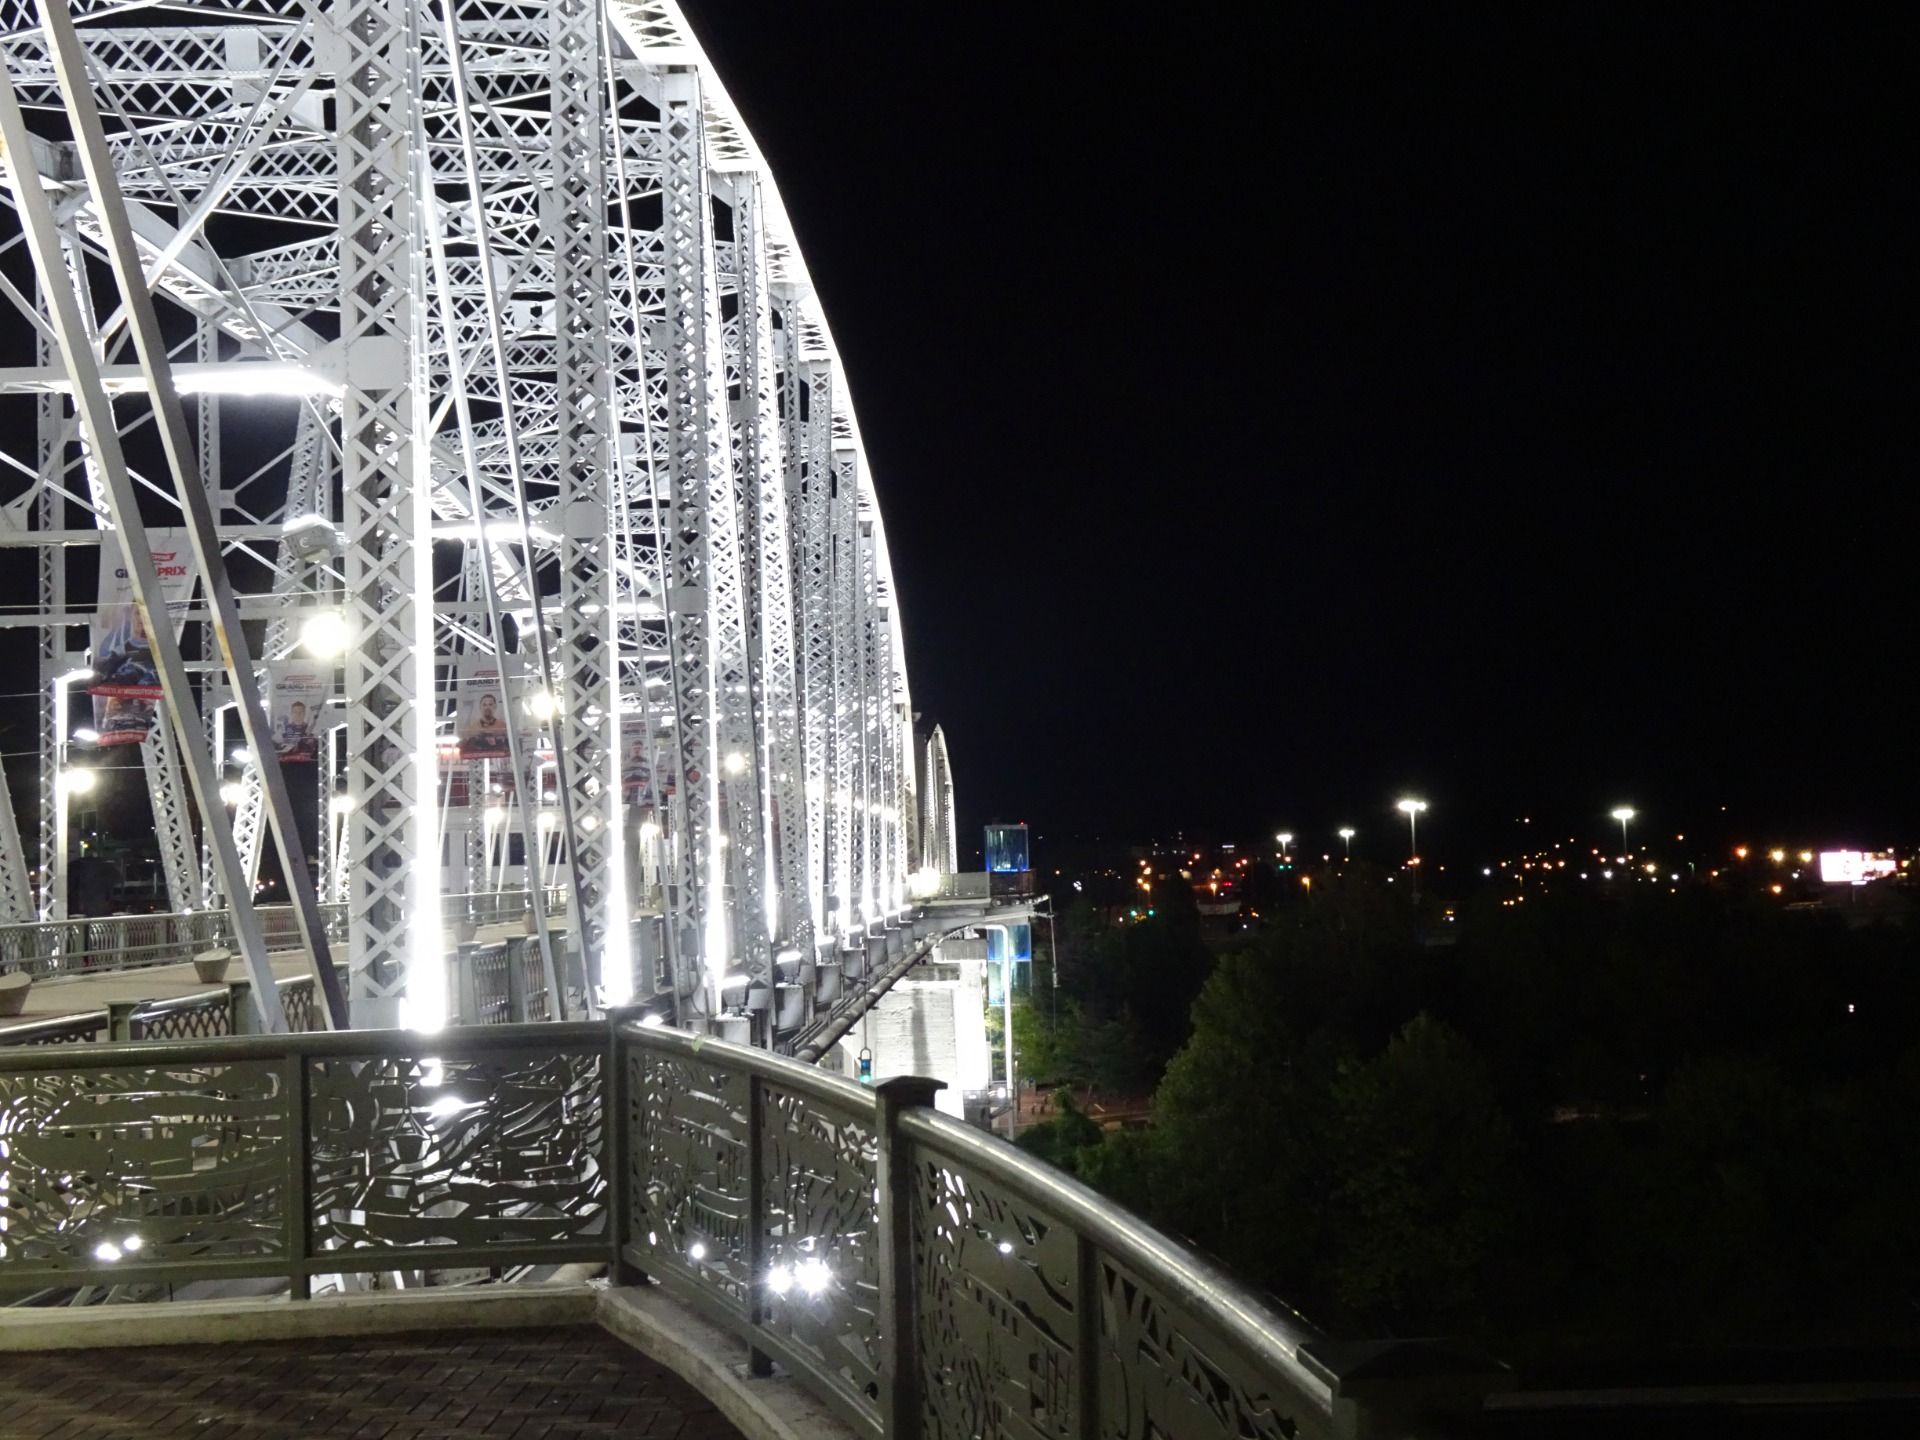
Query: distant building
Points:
[1009, 867]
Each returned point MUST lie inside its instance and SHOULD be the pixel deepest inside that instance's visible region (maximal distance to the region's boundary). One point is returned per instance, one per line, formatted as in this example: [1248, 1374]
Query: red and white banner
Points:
[126, 682]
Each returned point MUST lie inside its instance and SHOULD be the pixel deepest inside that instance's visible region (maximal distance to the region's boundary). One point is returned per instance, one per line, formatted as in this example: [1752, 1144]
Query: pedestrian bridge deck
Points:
[573, 1382]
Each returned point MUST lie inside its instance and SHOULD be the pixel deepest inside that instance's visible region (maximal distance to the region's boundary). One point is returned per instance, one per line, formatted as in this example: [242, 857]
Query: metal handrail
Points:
[56, 1028]
[1263, 1334]
[718, 1175]
[459, 1043]
[808, 1080]
[1189, 1290]
[96, 944]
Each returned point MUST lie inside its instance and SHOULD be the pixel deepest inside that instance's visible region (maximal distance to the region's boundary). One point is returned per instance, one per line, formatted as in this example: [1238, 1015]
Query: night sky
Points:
[1275, 408]
[1280, 408]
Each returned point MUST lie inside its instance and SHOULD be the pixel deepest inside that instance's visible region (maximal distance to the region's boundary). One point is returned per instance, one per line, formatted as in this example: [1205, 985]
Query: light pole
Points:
[1412, 808]
[1285, 838]
[1623, 814]
[1346, 836]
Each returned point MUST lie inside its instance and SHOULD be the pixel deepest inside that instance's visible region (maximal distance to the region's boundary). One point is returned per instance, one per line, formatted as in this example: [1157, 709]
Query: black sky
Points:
[1276, 406]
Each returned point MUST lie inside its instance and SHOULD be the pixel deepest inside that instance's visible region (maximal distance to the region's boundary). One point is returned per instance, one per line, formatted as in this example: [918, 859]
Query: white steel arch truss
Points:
[501, 304]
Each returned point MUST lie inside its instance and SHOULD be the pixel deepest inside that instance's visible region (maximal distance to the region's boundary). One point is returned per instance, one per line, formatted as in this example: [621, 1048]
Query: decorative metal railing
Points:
[201, 1015]
[919, 1276]
[46, 948]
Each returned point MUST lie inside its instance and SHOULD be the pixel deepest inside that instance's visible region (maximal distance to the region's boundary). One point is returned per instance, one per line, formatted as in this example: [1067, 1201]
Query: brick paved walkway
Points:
[560, 1384]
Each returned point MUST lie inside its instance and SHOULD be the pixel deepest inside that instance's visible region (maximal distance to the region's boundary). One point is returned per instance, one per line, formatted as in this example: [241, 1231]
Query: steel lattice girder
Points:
[665, 422]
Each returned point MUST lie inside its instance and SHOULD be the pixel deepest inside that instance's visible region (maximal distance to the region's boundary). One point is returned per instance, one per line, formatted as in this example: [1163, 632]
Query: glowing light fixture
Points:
[1623, 813]
[1413, 810]
[325, 634]
[79, 780]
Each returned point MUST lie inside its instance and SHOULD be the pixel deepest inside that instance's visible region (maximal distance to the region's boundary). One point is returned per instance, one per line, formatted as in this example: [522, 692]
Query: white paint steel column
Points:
[393, 838]
[771, 638]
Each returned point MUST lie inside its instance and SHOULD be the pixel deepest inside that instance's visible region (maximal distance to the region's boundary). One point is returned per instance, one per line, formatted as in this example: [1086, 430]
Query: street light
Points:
[1412, 809]
[1285, 838]
[232, 793]
[1346, 835]
[78, 780]
[324, 634]
[1623, 814]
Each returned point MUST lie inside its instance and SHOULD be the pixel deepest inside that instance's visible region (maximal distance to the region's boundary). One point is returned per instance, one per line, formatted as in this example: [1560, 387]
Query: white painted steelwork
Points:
[422, 260]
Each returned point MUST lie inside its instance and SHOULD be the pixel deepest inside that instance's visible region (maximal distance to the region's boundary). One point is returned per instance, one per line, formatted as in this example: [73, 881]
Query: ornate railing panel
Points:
[689, 1203]
[301, 1154]
[502, 1151]
[1044, 1310]
[999, 1308]
[492, 1001]
[822, 1266]
[919, 1276]
[171, 1168]
[191, 1017]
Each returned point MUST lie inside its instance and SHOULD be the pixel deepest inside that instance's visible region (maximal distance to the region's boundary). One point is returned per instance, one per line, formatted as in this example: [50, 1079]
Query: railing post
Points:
[466, 1003]
[299, 1219]
[516, 981]
[616, 1124]
[758, 1361]
[1086, 1340]
[901, 1408]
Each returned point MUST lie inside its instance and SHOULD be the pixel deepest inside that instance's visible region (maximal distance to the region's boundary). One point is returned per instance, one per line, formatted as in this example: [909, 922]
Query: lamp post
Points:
[1346, 837]
[1412, 809]
[1623, 814]
[1285, 838]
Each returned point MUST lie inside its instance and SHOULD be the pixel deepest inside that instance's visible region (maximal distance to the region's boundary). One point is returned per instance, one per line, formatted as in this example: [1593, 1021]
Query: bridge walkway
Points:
[574, 1382]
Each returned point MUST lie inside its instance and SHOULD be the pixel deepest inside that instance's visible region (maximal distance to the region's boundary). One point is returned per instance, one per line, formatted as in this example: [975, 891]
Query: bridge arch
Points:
[483, 334]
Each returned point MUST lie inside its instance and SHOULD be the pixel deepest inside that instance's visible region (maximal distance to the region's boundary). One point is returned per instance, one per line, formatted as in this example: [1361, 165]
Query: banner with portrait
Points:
[296, 699]
[126, 681]
[483, 715]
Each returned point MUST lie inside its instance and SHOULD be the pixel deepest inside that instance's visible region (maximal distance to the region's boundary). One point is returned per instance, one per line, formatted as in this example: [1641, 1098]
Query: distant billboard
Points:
[1854, 867]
